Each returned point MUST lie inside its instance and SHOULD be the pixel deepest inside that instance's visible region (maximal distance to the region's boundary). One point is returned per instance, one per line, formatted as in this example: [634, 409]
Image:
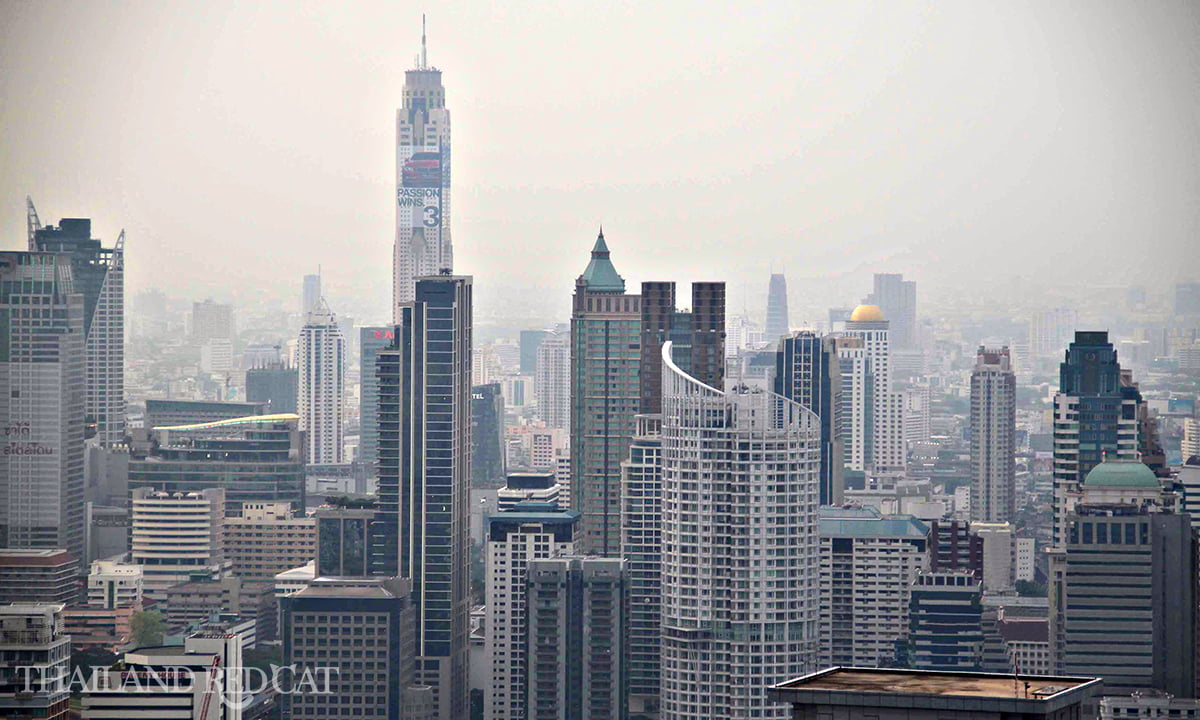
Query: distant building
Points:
[526, 531]
[530, 343]
[641, 546]
[918, 695]
[868, 565]
[993, 437]
[857, 399]
[552, 379]
[897, 298]
[268, 538]
[194, 412]
[577, 628]
[115, 585]
[43, 398]
[953, 547]
[1051, 330]
[211, 321]
[1187, 298]
[176, 536]
[528, 486]
[868, 324]
[44, 576]
[946, 631]
[697, 337]
[321, 358]
[487, 436]
[1148, 706]
[777, 324]
[276, 386]
[34, 645]
[310, 294]
[370, 341]
[808, 371]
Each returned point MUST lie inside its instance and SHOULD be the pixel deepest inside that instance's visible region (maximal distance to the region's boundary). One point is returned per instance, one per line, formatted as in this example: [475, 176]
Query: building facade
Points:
[552, 379]
[176, 535]
[487, 436]
[993, 437]
[641, 547]
[808, 371]
[267, 538]
[777, 323]
[321, 360]
[370, 341]
[696, 335]
[275, 385]
[38, 575]
[867, 323]
[946, 632]
[34, 644]
[897, 298]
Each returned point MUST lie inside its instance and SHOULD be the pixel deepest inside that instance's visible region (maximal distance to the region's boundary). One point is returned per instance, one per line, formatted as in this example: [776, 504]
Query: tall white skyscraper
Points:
[552, 381]
[993, 437]
[422, 181]
[321, 357]
[887, 447]
[858, 407]
[740, 547]
[310, 296]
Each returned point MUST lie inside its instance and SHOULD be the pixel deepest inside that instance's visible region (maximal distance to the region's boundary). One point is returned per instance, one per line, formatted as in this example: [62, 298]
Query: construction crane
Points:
[34, 223]
[212, 681]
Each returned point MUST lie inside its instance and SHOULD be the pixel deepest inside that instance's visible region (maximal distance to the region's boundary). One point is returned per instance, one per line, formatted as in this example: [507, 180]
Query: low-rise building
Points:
[267, 539]
[115, 585]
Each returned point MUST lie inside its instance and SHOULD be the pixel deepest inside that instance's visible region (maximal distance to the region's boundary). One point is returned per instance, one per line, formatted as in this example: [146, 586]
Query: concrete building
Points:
[844, 693]
[641, 547]
[1190, 445]
[952, 546]
[527, 531]
[194, 603]
[697, 337]
[44, 576]
[275, 385]
[115, 585]
[35, 655]
[321, 360]
[897, 299]
[370, 341]
[552, 379]
[364, 627]
[343, 541]
[310, 294]
[868, 565]
[605, 396]
[776, 324]
[1148, 706]
[999, 555]
[487, 436]
[256, 459]
[1026, 642]
[577, 627]
[99, 275]
[268, 538]
[1123, 585]
[424, 478]
[917, 415]
[1095, 416]
[993, 437]
[1051, 330]
[160, 412]
[857, 400]
[867, 323]
[808, 371]
[176, 535]
[43, 400]
[529, 486]
[734, 464]
[946, 622]
[211, 321]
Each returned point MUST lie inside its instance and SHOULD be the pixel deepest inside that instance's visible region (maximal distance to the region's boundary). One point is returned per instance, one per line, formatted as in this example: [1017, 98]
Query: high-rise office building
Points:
[255, 459]
[424, 478]
[993, 437]
[1123, 586]
[276, 385]
[175, 535]
[423, 246]
[868, 324]
[808, 371]
[99, 275]
[488, 466]
[605, 396]
[370, 341]
[897, 299]
[697, 337]
[43, 396]
[868, 565]
[528, 531]
[552, 379]
[267, 538]
[530, 342]
[343, 539]
[321, 360]
[211, 321]
[310, 294]
[740, 546]
[946, 622]
[1187, 298]
[38, 575]
[777, 324]
[641, 546]
[577, 625]
[35, 657]
[1051, 330]
[1095, 417]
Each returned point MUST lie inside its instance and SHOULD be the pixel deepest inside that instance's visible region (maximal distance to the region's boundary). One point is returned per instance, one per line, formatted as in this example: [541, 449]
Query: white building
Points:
[562, 475]
[32, 642]
[514, 538]
[114, 585]
[857, 409]
[552, 381]
[999, 555]
[887, 452]
[641, 546]
[321, 358]
[216, 356]
[529, 486]
[868, 565]
[740, 549]
[173, 535]
[1149, 706]
[423, 246]
[993, 437]
[916, 402]
[1050, 331]
[1190, 447]
[295, 580]
[546, 445]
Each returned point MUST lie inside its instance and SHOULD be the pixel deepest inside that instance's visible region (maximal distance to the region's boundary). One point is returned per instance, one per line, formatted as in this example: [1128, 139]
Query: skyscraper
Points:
[697, 336]
[310, 295]
[99, 275]
[946, 622]
[321, 357]
[370, 341]
[777, 310]
[43, 388]
[808, 371]
[641, 546]
[1095, 416]
[211, 321]
[740, 548]
[897, 298]
[422, 181]
[857, 403]
[487, 436]
[993, 437]
[424, 478]
[276, 385]
[605, 396]
[867, 323]
[552, 379]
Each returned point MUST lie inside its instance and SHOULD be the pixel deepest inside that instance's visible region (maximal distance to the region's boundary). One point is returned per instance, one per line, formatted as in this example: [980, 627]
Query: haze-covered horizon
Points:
[963, 144]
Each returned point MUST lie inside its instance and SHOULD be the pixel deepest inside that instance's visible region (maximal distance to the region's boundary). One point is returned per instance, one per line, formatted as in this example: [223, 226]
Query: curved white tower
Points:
[740, 560]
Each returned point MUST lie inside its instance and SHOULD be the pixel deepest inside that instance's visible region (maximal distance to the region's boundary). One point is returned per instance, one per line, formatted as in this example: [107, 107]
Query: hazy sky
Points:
[242, 145]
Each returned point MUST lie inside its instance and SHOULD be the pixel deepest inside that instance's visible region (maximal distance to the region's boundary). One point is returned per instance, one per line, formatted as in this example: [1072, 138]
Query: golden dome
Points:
[866, 313]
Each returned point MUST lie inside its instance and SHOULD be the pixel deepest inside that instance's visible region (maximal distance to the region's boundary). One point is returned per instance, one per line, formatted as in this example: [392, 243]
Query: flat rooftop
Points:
[872, 687]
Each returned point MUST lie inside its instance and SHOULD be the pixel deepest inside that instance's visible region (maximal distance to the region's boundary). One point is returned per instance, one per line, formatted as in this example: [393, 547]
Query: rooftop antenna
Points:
[424, 53]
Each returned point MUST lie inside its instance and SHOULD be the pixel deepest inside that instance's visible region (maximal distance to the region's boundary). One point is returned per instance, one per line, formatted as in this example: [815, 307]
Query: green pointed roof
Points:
[600, 274]
[1121, 473]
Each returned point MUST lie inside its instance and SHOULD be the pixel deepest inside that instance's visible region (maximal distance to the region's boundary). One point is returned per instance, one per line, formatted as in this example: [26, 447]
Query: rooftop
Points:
[1121, 474]
[249, 420]
[867, 313]
[600, 274]
[10, 557]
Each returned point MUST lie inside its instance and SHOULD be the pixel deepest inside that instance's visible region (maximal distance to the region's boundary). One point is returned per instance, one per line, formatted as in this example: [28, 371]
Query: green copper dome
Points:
[600, 273]
[1121, 473]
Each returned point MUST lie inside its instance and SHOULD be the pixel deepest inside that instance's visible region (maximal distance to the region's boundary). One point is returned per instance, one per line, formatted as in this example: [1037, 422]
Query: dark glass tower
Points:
[371, 341]
[698, 337]
[424, 477]
[275, 385]
[777, 309]
[808, 371]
